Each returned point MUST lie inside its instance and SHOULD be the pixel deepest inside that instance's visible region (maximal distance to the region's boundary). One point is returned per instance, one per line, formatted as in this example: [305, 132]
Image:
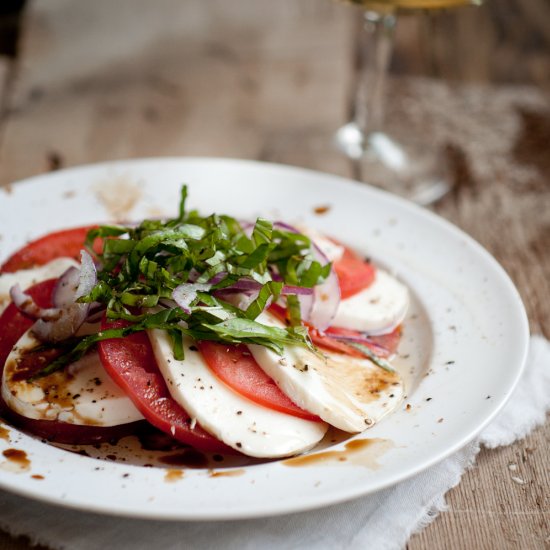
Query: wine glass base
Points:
[416, 171]
[350, 140]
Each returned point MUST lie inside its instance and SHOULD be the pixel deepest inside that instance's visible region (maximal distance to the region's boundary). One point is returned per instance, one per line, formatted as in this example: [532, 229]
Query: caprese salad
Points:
[228, 336]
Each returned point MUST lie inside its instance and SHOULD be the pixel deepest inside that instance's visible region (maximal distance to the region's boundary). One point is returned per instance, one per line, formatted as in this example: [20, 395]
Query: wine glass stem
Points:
[373, 64]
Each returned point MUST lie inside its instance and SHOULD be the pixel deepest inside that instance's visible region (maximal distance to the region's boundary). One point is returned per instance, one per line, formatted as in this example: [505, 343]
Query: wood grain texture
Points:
[4, 72]
[488, 509]
[249, 83]
[270, 81]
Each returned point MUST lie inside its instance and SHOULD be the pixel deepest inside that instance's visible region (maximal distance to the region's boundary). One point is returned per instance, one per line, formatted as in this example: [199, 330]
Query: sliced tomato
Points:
[65, 243]
[13, 324]
[354, 273]
[235, 366]
[130, 362]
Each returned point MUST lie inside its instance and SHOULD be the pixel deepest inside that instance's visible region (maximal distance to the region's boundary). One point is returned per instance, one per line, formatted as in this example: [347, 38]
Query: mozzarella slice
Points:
[378, 309]
[82, 394]
[237, 421]
[29, 277]
[349, 393]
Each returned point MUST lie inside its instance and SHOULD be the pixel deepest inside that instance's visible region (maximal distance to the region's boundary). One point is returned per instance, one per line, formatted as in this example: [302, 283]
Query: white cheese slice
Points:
[237, 421]
[82, 394]
[349, 393]
[28, 277]
[378, 309]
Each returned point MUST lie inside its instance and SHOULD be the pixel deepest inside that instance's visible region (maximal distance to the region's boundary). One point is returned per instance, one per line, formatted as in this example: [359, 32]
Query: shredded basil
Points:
[140, 266]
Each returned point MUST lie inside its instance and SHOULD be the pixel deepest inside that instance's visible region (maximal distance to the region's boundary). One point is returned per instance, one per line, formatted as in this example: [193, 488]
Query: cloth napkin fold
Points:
[384, 520]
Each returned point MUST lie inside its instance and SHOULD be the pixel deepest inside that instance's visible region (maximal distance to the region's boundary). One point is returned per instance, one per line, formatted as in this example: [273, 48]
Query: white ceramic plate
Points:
[463, 350]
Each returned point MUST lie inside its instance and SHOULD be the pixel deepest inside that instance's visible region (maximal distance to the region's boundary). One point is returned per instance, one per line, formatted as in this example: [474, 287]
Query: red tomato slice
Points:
[130, 362]
[235, 366]
[354, 274]
[68, 242]
[13, 324]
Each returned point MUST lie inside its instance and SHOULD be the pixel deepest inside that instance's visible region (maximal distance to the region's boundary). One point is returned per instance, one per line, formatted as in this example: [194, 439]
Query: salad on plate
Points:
[227, 335]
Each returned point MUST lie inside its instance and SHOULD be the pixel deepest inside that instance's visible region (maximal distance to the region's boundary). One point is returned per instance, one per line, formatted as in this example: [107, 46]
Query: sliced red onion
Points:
[95, 315]
[285, 227]
[73, 284]
[66, 326]
[359, 339]
[326, 296]
[218, 278]
[306, 305]
[306, 300]
[193, 275]
[184, 294]
[247, 227]
[240, 299]
[66, 287]
[88, 275]
[244, 284]
[24, 303]
[242, 293]
[298, 290]
[170, 304]
[250, 284]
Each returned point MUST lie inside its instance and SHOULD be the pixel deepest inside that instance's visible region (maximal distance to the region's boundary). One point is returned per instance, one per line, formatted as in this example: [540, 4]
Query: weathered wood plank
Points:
[501, 42]
[97, 84]
[4, 71]
[488, 509]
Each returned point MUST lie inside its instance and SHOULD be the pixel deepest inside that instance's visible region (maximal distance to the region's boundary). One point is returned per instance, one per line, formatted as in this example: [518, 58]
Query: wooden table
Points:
[103, 80]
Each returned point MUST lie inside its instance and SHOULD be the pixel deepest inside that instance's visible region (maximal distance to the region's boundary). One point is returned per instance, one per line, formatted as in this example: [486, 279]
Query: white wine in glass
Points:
[381, 5]
[403, 165]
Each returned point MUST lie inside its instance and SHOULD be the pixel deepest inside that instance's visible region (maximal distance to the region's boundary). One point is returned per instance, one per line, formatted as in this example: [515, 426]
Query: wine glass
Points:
[404, 164]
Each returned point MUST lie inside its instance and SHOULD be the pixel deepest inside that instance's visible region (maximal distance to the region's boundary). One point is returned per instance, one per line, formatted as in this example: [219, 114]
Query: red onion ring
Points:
[247, 227]
[249, 284]
[327, 300]
[297, 290]
[359, 339]
[218, 278]
[73, 284]
[326, 296]
[95, 316]
[88, 275]
[238, 298]
[193, 275]
[66, 287]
